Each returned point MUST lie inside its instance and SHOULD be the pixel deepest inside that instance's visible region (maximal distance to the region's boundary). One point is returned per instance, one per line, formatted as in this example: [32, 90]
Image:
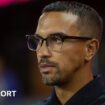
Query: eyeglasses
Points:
[53, 41]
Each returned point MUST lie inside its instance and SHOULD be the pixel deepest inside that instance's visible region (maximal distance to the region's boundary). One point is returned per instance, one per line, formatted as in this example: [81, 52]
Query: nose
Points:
[44, 51]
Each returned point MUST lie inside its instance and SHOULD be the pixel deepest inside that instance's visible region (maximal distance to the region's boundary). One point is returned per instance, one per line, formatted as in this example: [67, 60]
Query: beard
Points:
[52, 80]
[54, 76]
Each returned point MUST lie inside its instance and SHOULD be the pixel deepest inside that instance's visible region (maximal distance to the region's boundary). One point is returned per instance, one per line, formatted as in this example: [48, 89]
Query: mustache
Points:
[46, 61]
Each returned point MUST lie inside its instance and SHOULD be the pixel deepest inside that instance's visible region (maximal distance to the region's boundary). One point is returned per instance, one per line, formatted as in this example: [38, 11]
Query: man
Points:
[66, 39]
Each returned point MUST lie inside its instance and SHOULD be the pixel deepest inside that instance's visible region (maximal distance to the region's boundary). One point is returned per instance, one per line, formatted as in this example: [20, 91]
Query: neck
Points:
[79, 79]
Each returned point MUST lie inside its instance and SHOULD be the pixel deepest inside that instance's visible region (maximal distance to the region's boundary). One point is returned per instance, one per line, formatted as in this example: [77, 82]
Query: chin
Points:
[51, 81]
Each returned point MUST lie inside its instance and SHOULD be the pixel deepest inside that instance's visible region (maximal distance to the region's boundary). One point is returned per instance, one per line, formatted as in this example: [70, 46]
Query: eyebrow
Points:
[59, 33]
[66, 35]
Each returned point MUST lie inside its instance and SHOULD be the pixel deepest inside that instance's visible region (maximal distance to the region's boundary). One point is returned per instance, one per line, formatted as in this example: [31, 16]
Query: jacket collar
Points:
[85, 95]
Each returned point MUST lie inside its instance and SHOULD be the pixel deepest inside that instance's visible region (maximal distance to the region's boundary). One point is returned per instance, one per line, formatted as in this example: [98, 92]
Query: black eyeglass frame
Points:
[62, 36]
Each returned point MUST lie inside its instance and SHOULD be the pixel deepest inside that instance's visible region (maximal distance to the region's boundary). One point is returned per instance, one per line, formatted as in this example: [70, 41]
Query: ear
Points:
[91, 49]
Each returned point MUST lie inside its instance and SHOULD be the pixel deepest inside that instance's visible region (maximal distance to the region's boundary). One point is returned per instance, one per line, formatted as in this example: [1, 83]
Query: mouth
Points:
[45, 68]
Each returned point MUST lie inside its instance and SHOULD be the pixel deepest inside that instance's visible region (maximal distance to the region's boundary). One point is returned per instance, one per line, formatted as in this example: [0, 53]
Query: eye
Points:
[38, 39]
[56, 39]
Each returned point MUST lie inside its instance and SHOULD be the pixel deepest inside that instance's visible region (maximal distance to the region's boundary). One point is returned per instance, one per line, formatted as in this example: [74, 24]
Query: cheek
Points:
[69, 60]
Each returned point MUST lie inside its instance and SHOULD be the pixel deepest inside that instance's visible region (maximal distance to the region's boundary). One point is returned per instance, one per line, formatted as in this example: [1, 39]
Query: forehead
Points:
[52, 22]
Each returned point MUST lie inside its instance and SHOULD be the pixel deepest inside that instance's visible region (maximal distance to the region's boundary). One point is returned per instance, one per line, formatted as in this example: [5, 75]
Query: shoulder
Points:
[100, 100]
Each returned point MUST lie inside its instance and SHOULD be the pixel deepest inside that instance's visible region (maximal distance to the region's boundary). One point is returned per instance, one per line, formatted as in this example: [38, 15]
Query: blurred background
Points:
[18, 65]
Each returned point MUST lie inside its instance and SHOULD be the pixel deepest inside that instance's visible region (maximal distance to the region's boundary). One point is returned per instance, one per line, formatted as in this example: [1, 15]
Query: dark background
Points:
[16, 21]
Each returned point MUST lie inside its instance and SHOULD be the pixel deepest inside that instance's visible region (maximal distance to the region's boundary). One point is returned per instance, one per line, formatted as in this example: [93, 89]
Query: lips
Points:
[46, 65]
[45, 68]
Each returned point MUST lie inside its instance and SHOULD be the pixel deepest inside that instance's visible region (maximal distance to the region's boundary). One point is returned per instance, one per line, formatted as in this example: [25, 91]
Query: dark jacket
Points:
[91, 94]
